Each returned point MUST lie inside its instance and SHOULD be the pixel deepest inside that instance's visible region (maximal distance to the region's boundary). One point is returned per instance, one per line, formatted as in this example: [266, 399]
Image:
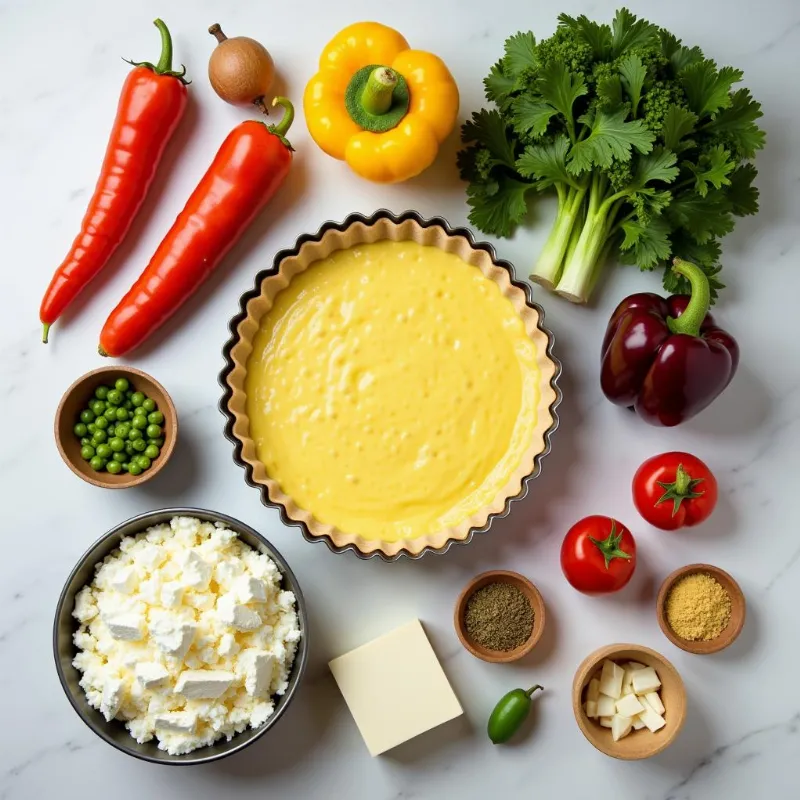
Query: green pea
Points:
[114, 467]
[124, 466]
[139, 411]
[137, 398]
[151, 451]
[129, 448]
[155, 418]
[101, 423]
[87, 452]
[153, 431]
[85, 440]
[127, 405]
[98, 437]
[135, 434]
[143, 461]
[80, 429]
[139, 421]
[97, 407]
[509, 714]
[87, 416]
[91, 427]
[115, 397]
[117, 444]
[121, 385]
[158, 442]
[122, 414]
[110, 414]
[97, 463]
[134, 468]
[149, 404]
[140, 445]
[101, 392]
[103, 450]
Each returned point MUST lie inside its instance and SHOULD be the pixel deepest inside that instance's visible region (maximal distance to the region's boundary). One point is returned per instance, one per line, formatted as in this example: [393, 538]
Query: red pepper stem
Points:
[282, 127]
[692, 318]
[533, 689]
[165, 62]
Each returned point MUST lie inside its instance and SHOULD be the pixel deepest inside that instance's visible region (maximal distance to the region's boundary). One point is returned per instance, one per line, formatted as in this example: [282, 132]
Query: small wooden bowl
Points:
[738, 610]
[637, 744]
[75, 400]
[527, 588]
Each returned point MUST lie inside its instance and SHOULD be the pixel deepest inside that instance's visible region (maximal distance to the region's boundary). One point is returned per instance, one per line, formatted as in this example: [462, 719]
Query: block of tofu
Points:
[629, 706]
[645, 680]
[395, 688]
[653, 721]
[593, 692]
[590, 707]
[634, 665]
[654, 701]
[637, 724]
[606, 721]
[203, 684]
[620, 726]
[611, 679]
[606, 706]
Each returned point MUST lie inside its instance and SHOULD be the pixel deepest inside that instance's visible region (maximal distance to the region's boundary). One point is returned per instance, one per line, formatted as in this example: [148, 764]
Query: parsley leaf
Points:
[628, 32]
[738, 121]
[742, 194]
[611, 137]
[499, 86]
[531, 116]
[597, 36]
[708, 89]
[648, 243]
[546, 163]
[702, 217]
[678, 122]
[712, 167]
[500, 211]
[489, 129]
[561, 88]
[633, 76]
[520, 54]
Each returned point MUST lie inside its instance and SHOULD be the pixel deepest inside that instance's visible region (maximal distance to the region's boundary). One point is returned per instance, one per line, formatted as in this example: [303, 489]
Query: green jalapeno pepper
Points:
[509, 713]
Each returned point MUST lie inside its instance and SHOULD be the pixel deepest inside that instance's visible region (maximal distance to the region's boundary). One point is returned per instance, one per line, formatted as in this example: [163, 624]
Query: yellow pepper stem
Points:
[377, 95]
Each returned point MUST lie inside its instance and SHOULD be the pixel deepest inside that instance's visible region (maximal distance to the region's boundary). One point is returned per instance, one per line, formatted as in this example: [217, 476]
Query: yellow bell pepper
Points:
[379, 105]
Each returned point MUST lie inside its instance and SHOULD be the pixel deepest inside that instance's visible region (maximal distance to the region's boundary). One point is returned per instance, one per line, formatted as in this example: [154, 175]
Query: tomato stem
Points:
[682, 488]
[609, 547]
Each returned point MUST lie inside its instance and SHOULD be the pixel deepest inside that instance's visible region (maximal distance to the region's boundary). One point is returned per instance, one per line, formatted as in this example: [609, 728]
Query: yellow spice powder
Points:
[698, 607]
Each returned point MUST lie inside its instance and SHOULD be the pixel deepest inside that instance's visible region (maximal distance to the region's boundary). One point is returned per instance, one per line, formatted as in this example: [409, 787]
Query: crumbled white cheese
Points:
[185, 635]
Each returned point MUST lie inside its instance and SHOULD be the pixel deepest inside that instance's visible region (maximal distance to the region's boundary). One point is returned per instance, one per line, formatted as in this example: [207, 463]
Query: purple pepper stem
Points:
[692, 318]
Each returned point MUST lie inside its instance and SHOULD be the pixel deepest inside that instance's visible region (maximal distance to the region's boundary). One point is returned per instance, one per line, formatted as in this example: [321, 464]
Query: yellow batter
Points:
[392, 390]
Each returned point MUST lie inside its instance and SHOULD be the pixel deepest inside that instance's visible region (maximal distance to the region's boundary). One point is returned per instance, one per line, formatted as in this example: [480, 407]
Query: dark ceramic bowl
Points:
[64, 626]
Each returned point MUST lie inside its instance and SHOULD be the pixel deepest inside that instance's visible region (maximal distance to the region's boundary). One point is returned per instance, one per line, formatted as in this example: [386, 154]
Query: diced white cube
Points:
[606, 706]
[171, 594]
[237, 616]
[123, 580]
[196, 571]
[590, 707]
[173, 636]
[606, 721]
[634, 665]
[113, 691]
[637, 724]
[645, 680]
[654, 701]
[629, 706]
[249, 589]
[611, 679]
[201, 684]
[620, 726]
[627, 682]
[653, 721]
[125, 627]
[593, 692]
[258, 666]
[176, 721]
[150, 674]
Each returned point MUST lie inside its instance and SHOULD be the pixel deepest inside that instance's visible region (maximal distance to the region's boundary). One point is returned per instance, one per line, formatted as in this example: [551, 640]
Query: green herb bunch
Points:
[644, 141]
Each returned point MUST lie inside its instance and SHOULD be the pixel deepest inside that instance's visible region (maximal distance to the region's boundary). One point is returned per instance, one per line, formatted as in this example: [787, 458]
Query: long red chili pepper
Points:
[151, 104]
[247, 171]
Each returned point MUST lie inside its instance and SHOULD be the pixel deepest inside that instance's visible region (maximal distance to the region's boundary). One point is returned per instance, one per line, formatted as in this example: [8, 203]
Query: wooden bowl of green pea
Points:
[116, 427]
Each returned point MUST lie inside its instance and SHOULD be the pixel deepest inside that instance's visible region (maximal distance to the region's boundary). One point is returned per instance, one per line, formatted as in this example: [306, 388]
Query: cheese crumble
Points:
[185, 635]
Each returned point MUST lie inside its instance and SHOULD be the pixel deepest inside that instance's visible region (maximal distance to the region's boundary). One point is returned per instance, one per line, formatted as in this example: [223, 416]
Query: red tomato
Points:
[674, 490]
[598, 555]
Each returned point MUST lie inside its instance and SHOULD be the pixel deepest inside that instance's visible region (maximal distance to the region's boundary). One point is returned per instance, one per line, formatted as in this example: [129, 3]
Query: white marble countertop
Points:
[62, 76]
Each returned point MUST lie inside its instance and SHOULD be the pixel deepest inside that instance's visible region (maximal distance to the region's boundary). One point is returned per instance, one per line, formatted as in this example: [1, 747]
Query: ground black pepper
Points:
[499, 617]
